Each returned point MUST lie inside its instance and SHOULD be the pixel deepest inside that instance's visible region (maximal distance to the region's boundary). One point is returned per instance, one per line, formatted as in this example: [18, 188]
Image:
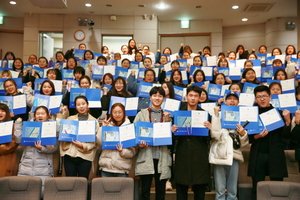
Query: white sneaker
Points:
[168, 186]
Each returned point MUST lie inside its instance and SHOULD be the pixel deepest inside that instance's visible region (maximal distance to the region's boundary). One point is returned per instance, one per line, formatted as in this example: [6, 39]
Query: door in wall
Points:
[50, 43]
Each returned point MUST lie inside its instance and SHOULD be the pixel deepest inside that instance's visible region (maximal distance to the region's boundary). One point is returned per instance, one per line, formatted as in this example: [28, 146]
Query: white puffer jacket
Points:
[219, 136]
[114, 161]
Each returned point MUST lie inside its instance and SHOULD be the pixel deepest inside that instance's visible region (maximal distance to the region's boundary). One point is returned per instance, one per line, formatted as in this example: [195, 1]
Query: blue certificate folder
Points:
[154, 134]
[16, 104]
[39, 131]
[67, 74]
[93, 96]
[145, 88]
[38, 83]
[51, 102]
[130, 104]
[6, 131]
[97, 71]
[271, 119]
[79, 53]
[113, 135]
[231, 116]
[183, 119]
[83, 131]
[17, 80]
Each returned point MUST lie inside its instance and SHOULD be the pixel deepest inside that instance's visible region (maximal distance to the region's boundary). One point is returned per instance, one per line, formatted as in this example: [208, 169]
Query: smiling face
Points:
[157, 99]
[18, 64]
[276, 52]
[60, 57]
[177, 76]
[126, 64]
[10, 88]
[82, 106]
[41, 115]
[107, 80]
[220, 80]
[290, 50]
[88, 55]
[119, 86]
[149, 77]
[199, 77]
[262, 49]
[51, 75]
[84, 83]
[43, 63]
[2, 115]
[197, 61]
[47, 89]
[250, 76]
[32, 60]
[163, 60]
[231, 101]
[235, 88]
[138, 57]
[118, 114]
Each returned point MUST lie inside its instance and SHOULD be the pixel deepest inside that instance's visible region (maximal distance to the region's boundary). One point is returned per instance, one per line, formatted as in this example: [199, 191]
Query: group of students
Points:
[193, 154]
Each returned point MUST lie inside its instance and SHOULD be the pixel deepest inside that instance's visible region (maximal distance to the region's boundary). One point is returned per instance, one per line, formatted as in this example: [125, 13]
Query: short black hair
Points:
[156, 90]
[79, 70]
[193, 88]
[262, 88]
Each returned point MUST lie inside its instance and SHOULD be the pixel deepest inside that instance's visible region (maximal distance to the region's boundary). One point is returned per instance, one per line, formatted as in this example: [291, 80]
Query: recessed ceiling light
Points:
[13, 2]
[88, 5]
[245, 19]
[162, 6]
[235, 7]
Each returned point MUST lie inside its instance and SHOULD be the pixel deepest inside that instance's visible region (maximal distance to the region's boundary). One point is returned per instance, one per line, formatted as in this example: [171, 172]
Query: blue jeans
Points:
[109, 174]
[226, 177]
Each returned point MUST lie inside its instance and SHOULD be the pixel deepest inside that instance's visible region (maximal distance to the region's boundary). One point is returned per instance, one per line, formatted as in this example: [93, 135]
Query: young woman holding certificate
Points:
[11, 89]
[117, 162]
[78, 156]
[153, 160]
[7, 150]
[226, 165]
[37, 160]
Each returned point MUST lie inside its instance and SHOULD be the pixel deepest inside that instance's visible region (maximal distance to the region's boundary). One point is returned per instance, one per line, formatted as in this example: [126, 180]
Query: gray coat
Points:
[144, 162]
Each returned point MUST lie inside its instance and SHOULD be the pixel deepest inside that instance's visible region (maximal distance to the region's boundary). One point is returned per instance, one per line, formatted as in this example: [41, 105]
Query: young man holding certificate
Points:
[267, 156]
[191, 157]
[153, 160]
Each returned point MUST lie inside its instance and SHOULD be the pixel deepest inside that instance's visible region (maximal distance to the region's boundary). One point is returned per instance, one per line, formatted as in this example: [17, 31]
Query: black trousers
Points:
[160, 185]
[77, 166]
[182, 191]
[261, 171]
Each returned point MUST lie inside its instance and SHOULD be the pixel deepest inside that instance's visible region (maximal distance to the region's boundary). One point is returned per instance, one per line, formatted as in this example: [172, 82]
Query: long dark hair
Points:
[256, 81]
[114, 92]
[196, 72]
[171, 89]
[172, 75]
[4, 107]
[123, 110]
[13, 65]
[51, 84]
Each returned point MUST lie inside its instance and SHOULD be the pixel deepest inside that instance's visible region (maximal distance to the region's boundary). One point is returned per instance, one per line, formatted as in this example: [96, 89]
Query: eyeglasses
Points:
[262, 97]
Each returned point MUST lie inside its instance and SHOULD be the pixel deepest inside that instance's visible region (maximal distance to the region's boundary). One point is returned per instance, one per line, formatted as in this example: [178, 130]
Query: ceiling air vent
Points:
[258, 7]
